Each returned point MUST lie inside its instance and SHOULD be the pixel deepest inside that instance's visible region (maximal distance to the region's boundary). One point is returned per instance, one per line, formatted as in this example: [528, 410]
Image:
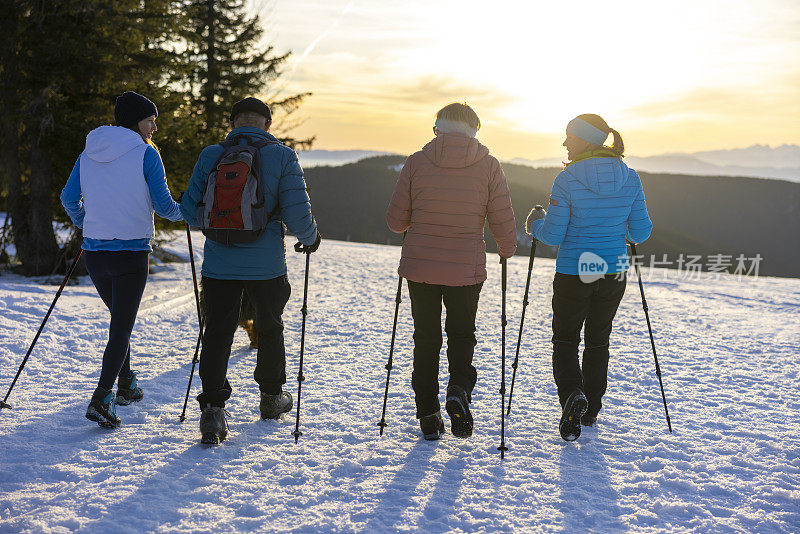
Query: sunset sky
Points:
[670, 76]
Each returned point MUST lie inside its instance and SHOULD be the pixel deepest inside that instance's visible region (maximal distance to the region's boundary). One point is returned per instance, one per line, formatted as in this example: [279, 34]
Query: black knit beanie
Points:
[131, 108]
[251, 104]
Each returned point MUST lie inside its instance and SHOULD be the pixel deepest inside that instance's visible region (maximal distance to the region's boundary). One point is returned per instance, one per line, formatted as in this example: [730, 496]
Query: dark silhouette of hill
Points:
[692, 215]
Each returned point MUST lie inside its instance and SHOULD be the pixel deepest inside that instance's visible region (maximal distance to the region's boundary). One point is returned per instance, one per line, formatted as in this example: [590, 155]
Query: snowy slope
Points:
[728, 349]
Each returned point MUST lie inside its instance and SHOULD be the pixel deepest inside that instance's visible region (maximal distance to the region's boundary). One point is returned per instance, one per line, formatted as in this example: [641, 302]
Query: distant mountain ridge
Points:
[760, 155]
[757, 161]
[319, 158]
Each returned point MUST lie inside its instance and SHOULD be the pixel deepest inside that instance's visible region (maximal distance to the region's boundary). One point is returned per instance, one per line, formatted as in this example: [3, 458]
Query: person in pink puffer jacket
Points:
[443, 197]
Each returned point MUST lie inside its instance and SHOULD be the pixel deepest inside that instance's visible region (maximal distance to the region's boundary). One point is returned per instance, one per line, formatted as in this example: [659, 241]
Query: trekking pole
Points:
[502, 448]
[4, 403]
[397, 299]
[300, 377]
[650, 329]
[521, 322]
[196, 358]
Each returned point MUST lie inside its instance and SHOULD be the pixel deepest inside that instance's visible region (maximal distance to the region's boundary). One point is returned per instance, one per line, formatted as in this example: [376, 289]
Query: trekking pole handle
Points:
[504, 264]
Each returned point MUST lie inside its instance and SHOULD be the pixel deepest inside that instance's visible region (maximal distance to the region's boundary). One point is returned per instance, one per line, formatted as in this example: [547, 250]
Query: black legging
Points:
[589, 306]
[120, 277]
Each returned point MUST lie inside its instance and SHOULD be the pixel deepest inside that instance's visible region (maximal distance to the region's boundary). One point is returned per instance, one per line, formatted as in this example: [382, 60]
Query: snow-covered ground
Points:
[728, 349]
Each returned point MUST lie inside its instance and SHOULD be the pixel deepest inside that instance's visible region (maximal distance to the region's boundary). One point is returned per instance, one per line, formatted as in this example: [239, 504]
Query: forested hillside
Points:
[693, 215]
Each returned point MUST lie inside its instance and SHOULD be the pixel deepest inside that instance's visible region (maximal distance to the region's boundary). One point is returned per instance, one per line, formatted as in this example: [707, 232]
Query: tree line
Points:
[63, 63]
[692, 215]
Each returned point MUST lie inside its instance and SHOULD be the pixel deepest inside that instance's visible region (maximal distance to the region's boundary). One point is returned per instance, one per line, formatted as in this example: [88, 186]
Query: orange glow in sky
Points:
[670, 76]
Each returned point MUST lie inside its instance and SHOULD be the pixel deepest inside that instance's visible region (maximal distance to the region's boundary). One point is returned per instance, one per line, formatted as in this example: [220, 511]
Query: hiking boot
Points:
[128, 390]
[102, 409]
[588, 420]
[574, 408]
[432, 426]
[213, 425]
[272, 406]
[457, 406]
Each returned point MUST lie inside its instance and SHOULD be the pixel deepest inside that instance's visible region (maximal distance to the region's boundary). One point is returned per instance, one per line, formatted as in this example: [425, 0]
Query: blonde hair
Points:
[145, 139]
[460, 113]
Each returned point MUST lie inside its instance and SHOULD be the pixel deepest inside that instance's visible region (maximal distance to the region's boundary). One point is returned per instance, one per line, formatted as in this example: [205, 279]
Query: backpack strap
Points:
[271, 215]
[226, 144]
[232, 141]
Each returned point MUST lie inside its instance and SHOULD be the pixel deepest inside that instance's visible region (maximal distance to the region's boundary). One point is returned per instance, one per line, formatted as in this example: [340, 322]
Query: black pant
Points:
[576, 303]
[120, 277]
[461, 303]
[222, 300]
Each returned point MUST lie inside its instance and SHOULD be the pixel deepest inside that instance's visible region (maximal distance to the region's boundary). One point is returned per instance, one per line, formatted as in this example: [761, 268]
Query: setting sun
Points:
[678, 76]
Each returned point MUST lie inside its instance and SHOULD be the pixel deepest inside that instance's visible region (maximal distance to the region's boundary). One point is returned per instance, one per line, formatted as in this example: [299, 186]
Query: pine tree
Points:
[64, 62]
[10, 97]
[224, 44]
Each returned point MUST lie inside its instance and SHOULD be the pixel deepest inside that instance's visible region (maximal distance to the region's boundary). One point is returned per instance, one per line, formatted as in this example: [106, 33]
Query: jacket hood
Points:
[107, 143]
[604, 176]
[454, 151]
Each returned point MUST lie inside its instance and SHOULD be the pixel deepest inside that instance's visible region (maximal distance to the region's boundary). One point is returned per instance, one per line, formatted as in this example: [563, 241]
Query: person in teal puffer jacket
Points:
[597, 202]
[257, 268]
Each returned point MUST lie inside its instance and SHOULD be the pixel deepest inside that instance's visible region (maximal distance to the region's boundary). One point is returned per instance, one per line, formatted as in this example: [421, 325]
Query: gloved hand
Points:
[536, 213]
[308, 249]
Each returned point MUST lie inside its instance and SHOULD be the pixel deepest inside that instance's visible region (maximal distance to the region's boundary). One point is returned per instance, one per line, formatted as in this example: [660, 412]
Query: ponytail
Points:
[618, 147]
[597, 121]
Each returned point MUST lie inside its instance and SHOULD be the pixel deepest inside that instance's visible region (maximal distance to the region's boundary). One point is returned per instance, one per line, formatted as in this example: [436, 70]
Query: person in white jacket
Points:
[113, 190]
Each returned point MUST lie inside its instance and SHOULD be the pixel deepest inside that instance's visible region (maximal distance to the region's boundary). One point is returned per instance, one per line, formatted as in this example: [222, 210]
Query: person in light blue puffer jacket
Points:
[597, 202]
